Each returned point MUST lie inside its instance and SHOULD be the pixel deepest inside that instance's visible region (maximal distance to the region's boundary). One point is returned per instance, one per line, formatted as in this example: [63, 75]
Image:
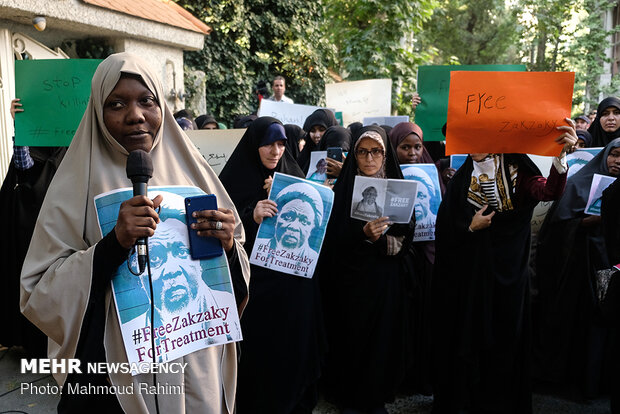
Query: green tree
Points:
[547, 33]
[255, 40]
[224, 58]
[376, 39]
[588, 58]
[287, 41]
[473, 32]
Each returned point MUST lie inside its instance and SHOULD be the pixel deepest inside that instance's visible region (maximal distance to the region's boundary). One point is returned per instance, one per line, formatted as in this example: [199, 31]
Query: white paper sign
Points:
[385, 120]
[216, 145]
[287, 113]
[359, 99]
[380, 197]
[599, 184]
[318, 167]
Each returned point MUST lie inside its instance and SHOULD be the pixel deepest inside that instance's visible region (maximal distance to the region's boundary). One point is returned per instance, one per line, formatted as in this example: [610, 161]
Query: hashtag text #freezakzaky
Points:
[183, 322]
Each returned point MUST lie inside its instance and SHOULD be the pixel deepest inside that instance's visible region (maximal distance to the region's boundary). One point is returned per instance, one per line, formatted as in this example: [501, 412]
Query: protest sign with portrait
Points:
[576, 160]
[427, 199]
[291, 241]
[599, 184]
[318, 167]
[380, 197]
[193, 301]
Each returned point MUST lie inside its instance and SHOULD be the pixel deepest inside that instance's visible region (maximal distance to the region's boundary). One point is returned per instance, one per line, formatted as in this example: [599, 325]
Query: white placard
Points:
[599, 184]
[216, 145]
[385, 120]
[359, 99]
[287, 113]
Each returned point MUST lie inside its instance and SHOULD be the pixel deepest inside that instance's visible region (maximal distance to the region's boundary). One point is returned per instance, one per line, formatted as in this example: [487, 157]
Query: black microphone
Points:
[139, 171]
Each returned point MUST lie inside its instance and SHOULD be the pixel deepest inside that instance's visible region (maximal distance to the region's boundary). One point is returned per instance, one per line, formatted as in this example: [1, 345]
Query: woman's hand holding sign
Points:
[265, 208]
[374, 229]
[568, 139]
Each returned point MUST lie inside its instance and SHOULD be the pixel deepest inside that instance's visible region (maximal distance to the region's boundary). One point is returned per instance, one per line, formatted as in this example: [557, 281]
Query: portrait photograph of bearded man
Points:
[291, 240]
[428, 198]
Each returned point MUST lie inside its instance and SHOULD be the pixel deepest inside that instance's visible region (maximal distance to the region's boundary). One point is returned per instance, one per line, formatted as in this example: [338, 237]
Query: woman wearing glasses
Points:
[364, 288]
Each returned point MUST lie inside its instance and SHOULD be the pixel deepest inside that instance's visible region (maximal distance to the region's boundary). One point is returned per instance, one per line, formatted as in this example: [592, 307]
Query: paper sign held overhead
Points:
[287, 113]
[385, 120]
[434, 86]
[488, 112]
[54, 94]
[359, 99]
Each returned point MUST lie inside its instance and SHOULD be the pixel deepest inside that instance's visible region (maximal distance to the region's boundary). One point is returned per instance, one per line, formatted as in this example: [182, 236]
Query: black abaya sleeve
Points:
[109, 255]
[249, 225]
[610, 220]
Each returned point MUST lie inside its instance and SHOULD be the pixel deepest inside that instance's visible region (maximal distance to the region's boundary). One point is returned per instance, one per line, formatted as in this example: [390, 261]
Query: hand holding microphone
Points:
[137, 218]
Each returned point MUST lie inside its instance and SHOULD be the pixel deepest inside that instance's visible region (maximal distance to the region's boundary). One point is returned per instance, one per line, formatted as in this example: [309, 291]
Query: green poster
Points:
[434, 88]
[54, 94]
[339, 118]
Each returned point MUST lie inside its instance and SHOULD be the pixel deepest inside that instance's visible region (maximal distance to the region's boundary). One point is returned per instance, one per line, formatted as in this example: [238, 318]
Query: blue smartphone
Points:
[201, 247]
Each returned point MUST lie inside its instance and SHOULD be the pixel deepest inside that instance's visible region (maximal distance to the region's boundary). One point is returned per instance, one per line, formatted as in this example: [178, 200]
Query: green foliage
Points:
[255, 40]
[587, 55]
[287, 41]
[473, 32]
[551, 41]
[546, 33]
[375, 39]
[224, 58]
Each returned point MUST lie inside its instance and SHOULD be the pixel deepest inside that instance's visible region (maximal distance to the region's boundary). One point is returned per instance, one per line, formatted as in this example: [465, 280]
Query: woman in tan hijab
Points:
[66, 276]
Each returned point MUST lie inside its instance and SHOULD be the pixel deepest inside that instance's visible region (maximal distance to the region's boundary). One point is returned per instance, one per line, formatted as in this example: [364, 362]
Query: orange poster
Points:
[507, 112]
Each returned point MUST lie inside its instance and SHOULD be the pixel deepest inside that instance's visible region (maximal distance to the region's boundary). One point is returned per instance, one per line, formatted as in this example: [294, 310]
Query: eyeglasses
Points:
[374, 153]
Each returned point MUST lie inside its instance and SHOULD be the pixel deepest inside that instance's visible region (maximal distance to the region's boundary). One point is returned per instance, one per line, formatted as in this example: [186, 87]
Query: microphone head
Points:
[139, 166]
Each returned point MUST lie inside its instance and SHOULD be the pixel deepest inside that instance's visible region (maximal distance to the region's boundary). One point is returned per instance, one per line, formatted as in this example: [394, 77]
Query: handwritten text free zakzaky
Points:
[479, 102]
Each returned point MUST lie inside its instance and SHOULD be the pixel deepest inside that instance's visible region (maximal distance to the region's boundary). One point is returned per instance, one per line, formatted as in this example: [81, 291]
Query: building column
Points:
[7, 92]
